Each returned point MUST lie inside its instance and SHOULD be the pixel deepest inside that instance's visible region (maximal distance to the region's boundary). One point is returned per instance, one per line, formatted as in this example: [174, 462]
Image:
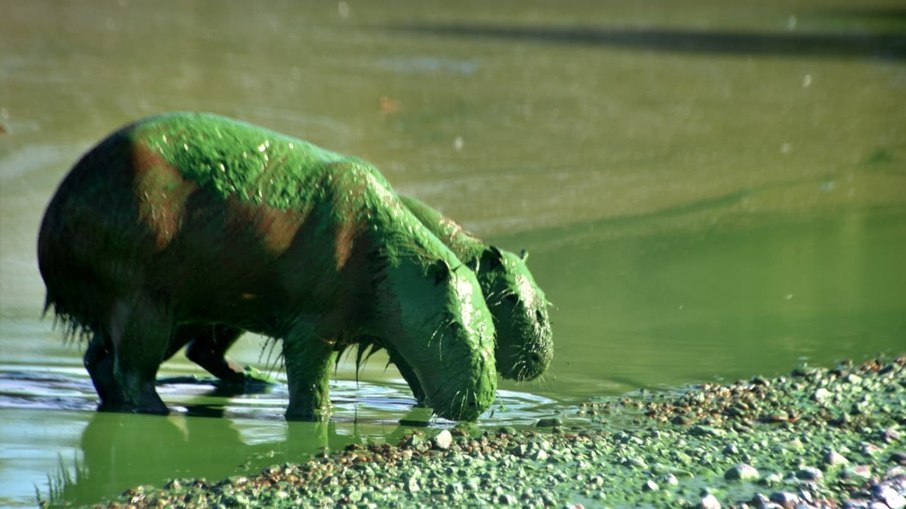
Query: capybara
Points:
[191, 219]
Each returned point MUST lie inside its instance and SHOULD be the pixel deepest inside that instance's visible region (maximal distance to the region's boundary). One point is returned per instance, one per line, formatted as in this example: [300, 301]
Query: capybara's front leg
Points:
[98, 361]
[140, 333]
[308, 360]
[421, 400]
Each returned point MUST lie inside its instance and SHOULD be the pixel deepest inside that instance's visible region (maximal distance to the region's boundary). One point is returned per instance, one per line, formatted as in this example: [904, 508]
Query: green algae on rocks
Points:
[619, 452]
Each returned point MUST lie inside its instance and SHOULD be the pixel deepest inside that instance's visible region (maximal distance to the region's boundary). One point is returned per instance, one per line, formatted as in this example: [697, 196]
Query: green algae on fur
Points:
[188, 219]
[235, 159]
[524, 345]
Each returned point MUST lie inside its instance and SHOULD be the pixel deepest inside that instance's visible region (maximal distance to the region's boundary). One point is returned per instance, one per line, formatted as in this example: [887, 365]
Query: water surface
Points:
[707, 192]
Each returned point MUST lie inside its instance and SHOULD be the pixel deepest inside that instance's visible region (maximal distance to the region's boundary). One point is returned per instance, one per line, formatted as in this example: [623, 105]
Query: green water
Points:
[707, 192]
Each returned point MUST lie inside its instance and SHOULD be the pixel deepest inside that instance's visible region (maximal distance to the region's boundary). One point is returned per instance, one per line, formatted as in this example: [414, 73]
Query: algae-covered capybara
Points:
[191, 219]
[524, 345]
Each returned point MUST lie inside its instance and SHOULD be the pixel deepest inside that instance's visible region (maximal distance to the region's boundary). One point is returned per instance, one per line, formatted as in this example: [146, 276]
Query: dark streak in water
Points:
[784, 44]
[615, 226]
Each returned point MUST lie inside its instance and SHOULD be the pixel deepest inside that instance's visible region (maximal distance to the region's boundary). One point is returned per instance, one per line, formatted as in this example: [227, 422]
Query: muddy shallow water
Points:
[706, 192]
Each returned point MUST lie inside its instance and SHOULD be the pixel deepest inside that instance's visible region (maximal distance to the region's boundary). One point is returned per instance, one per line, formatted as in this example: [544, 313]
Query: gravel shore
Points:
[816, 438]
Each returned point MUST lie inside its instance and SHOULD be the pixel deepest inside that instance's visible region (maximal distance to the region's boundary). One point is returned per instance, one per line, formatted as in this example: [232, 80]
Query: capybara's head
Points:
[437, 321]
[524, 340]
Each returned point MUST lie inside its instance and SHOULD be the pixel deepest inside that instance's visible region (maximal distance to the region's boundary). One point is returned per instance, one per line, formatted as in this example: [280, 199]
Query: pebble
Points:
[506, 499]
[443, 440]
[412, 485]
[635, 462]
[890, 435]
[773, 479]
[832, 457]
[709, 501]
[742, 472]
[809, 474]
[821, 394]
[889, 496]
[784, 498]
[706, 431]
[870, 449]
[857, 472]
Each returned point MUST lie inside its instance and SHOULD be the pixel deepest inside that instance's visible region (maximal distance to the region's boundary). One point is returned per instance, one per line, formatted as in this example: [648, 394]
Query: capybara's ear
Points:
[524, 255]
[440, 271]
[492, 258]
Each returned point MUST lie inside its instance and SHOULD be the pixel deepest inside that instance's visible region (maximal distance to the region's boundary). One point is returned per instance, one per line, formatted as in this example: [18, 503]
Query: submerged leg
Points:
[140, 334]
[308, 360]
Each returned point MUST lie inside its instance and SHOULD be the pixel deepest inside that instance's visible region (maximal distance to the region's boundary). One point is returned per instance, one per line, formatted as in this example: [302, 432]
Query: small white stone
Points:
[709, 502]
[443, 440]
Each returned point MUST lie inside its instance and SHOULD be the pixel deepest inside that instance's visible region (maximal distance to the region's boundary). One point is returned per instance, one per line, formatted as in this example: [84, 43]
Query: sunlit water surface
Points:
[707, 192]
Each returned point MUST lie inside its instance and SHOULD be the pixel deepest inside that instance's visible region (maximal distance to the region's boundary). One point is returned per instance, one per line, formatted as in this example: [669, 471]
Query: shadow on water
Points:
[791, 44]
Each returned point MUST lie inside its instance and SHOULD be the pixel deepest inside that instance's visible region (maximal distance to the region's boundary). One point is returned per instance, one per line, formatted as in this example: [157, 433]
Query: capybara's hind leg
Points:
[207, 348]
[99, 363]
[141, 331]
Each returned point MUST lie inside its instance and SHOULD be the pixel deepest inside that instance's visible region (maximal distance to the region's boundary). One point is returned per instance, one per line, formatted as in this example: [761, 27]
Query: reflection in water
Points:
[207, 435]
[119, 451]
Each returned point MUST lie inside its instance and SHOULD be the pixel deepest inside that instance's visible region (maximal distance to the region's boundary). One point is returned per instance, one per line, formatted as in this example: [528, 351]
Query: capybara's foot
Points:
[153, 409]
[250, 381]
[142, 400]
